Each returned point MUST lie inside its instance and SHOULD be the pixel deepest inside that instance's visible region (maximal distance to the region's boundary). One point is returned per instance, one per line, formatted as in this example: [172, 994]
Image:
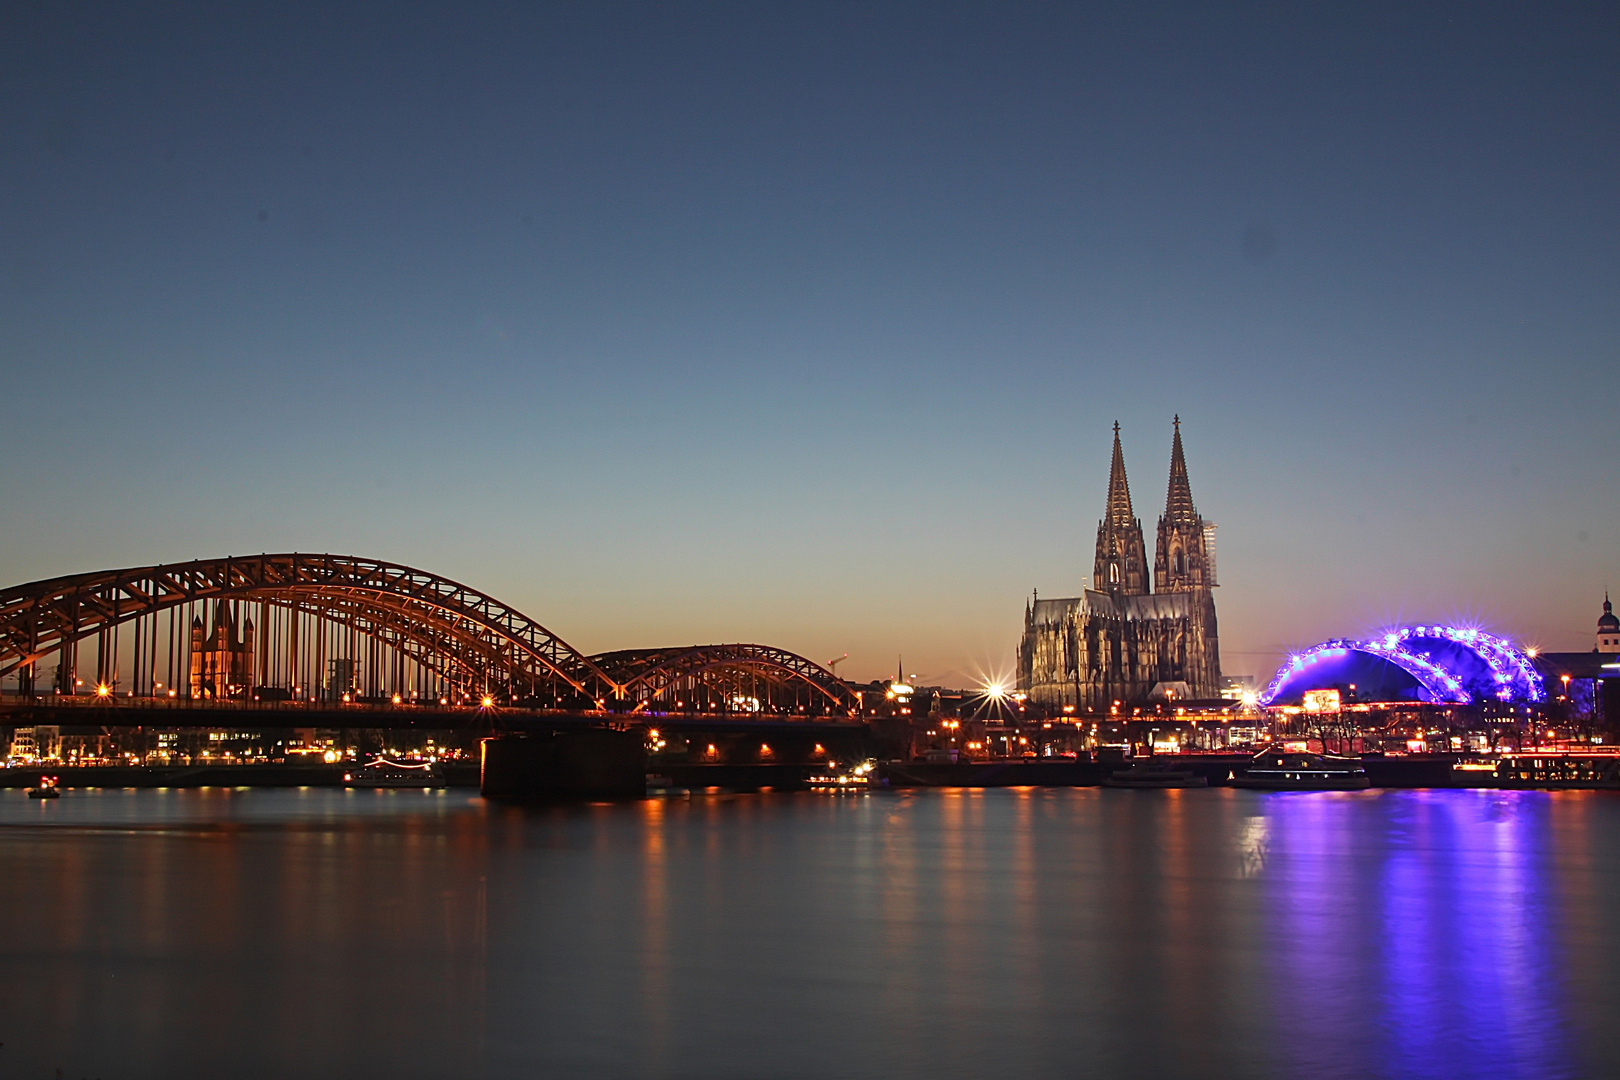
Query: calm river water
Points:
[1003, 933]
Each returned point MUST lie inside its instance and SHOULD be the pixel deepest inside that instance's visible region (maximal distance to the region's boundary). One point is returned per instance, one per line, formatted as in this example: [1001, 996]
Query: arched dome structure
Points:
[1448, 664]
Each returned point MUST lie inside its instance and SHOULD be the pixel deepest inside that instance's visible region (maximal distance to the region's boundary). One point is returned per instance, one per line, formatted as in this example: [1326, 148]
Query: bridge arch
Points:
[652, 678]
[467, 636]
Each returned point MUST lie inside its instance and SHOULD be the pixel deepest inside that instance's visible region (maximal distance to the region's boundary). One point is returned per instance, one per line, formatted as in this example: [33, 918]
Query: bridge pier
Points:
[548, 766]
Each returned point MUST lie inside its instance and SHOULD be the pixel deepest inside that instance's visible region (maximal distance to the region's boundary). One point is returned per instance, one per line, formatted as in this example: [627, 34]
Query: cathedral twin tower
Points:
[1125, 642]
[1183, 558]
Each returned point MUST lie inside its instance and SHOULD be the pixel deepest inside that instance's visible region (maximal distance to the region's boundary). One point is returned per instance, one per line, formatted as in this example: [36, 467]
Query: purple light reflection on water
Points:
[1419, 936]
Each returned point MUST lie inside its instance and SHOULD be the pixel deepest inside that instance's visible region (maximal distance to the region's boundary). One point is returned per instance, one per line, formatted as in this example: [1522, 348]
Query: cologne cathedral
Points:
[1140, 634]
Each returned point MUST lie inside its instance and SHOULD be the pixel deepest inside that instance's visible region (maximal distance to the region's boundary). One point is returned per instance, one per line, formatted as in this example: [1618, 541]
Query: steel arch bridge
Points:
[411, 632]
[693, 676]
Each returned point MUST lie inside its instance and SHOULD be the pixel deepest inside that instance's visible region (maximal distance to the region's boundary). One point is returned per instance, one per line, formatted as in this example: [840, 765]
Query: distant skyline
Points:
[809, 325]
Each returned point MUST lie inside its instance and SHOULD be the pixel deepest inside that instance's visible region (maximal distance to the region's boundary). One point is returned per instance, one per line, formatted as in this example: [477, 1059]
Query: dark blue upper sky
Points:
[808, 324]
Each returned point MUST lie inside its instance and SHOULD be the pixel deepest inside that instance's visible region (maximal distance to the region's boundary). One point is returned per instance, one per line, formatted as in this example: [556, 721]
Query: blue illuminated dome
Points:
[1448, 664]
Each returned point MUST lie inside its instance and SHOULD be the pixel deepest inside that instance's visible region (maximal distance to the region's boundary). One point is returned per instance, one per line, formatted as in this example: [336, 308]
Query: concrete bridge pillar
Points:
[545, 766]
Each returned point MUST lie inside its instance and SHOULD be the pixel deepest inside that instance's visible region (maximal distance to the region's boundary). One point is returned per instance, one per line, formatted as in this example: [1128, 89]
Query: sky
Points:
[808, 324]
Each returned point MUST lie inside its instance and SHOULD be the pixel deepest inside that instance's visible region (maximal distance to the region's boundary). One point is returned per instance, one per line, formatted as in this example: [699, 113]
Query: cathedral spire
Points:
[1121, 564]
[1178, 502]
[1184, 557]
[1120, 514]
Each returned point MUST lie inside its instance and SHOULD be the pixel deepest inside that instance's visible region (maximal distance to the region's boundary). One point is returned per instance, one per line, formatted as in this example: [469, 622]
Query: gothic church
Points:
[1123, 640]
[221, 661]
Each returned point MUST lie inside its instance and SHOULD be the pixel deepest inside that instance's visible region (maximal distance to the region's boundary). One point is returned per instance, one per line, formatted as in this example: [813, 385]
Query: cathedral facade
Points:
[1125, 640]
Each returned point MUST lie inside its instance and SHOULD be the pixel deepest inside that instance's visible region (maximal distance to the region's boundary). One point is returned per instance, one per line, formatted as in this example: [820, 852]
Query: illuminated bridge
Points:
[337, 631]
[1444, 664]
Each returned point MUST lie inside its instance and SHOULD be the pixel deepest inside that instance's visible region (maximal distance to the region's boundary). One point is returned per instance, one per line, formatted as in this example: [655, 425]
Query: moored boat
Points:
[835, 779]
[383, 773]
[1275, 769]
[1559, 770]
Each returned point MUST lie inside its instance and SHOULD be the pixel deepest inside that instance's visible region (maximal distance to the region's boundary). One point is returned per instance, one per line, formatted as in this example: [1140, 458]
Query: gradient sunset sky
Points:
[808, 324]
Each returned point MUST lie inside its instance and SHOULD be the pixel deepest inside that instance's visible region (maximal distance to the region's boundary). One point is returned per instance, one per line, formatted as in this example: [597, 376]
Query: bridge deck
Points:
[88, 711]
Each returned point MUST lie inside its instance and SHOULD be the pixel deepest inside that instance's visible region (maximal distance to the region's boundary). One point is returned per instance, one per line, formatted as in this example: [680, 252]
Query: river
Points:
[941, 933]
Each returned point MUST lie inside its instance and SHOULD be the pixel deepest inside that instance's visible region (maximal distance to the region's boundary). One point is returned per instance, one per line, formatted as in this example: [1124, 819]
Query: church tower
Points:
[1121, 565]
[1608, 634]
[198, 653]
[1182, 561]
[221, 663]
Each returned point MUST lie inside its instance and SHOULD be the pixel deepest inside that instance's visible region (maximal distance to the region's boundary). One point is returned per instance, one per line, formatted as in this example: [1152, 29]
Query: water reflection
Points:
[953, 933]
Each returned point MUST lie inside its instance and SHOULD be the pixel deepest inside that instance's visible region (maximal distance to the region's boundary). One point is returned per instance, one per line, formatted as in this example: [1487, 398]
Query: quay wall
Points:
[1414, 771]
[456, 774]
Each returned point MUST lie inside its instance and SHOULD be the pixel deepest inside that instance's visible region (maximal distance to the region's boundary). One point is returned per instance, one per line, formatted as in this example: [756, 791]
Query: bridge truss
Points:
[414, 632]
[726, 678]
[302, 627]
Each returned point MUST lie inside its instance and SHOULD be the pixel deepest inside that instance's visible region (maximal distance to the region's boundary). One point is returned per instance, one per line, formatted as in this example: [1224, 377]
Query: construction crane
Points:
[832, 665]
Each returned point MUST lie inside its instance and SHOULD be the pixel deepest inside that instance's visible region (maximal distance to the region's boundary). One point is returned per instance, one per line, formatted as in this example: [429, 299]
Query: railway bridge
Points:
[321, 640]
[301, 630]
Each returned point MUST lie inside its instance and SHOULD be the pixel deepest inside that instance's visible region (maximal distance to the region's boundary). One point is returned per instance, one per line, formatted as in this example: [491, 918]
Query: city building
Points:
[35, 743]
[1142, 634]
[221, 661]
[1587, 684]
[1608, 630]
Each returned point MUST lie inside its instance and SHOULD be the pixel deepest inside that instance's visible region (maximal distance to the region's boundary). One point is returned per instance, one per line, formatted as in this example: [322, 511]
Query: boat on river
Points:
[858, 778]
[1556, 770]
[384, 773]
[46, 789]
[1276, 769]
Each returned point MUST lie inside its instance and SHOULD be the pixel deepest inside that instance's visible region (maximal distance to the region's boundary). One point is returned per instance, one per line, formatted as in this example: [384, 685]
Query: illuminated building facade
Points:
[221, 661]
[38, 743]
[1124, 641]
